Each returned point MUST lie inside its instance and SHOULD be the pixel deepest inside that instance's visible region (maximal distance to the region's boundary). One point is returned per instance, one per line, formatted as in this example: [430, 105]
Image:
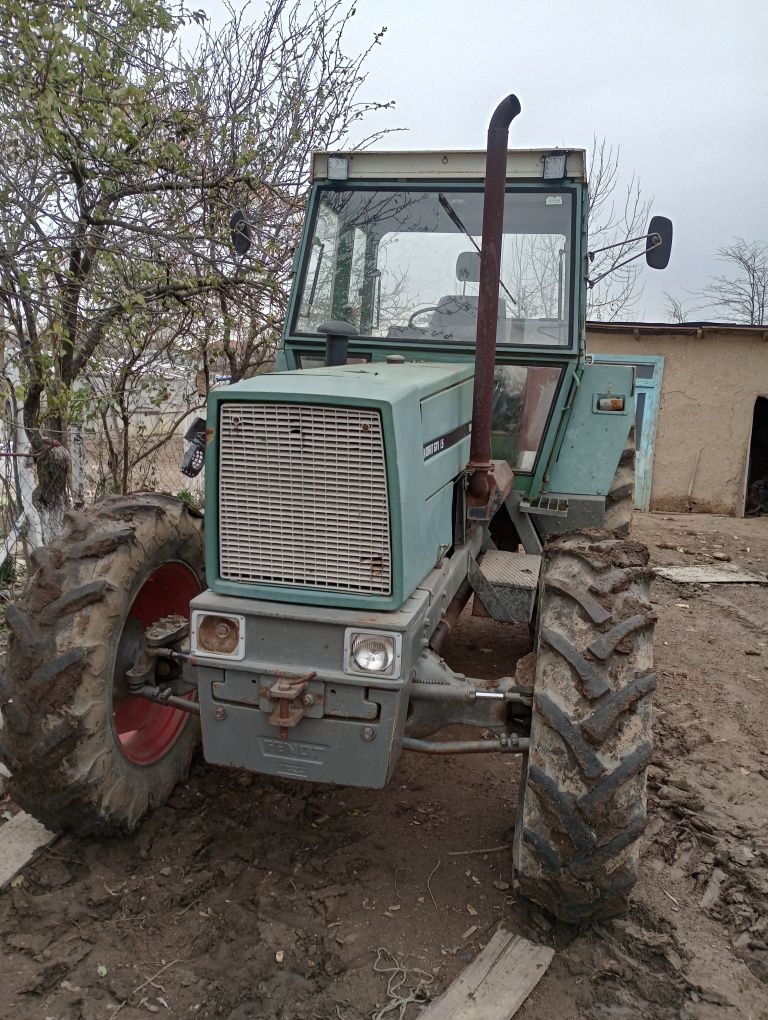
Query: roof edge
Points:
[436, 164]
[681, 328]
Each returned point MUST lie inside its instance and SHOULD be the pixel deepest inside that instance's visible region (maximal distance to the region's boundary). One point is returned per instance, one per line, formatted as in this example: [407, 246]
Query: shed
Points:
[702, 411]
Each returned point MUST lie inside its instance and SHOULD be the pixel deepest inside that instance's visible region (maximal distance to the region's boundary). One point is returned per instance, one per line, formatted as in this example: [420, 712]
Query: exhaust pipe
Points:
[480, 466]
[337, 336]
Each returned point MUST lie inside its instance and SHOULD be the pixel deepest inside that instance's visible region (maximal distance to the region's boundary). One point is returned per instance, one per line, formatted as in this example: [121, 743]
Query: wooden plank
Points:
[20, 839]
[711, 573]
[497, 982]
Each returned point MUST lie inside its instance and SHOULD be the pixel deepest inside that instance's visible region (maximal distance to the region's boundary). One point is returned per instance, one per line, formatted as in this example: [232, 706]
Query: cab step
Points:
[505, 585]
[547, 506]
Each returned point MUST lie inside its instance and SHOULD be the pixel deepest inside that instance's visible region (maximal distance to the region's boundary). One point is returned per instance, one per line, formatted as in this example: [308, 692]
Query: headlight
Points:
[368, 651]
[374, 654]
[213, 634]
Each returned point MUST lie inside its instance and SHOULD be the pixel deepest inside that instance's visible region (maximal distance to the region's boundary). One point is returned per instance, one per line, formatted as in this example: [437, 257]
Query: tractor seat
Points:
[455, 316]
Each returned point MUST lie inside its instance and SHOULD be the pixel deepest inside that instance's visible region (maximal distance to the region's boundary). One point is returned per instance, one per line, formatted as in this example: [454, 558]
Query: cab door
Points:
[649, 370]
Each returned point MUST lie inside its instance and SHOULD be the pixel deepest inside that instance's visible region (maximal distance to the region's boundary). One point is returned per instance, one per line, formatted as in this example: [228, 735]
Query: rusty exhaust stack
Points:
[488, 300]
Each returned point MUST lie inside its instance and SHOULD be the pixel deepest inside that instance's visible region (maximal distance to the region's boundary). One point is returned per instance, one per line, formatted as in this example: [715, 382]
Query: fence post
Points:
[77, 454]
[27, 484]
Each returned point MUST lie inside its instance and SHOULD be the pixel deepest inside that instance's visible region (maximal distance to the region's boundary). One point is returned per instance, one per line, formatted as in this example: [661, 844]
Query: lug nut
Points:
[220, 712]
[367, 732]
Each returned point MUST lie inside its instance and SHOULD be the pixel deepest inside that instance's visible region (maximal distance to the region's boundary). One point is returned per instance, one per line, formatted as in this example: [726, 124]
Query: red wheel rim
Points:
[147, 731]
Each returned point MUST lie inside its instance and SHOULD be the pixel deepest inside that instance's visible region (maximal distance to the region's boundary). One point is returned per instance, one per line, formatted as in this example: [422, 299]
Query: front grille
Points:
[303, 497]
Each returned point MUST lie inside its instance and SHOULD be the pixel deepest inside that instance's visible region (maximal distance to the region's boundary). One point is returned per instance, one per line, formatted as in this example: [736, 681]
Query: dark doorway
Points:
[757, 471]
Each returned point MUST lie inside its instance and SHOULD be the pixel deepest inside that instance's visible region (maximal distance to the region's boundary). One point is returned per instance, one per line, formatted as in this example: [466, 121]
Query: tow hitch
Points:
[292, 701]
[153, 648]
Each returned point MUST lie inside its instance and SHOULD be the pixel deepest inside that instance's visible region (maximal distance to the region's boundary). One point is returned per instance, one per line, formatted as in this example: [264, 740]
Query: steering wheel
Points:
[421, 311]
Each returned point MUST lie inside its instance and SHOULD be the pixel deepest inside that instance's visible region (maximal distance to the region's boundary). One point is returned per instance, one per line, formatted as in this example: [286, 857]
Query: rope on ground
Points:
[402, 989]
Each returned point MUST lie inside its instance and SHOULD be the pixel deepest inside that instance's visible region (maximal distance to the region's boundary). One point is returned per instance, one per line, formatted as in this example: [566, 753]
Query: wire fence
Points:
[141, 456]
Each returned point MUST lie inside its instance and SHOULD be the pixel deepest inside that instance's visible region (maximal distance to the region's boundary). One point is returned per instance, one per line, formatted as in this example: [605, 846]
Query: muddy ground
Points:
[248, 898]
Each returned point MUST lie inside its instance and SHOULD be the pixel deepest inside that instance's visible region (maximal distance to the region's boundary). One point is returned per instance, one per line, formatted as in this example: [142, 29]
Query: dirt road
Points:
[245, 898]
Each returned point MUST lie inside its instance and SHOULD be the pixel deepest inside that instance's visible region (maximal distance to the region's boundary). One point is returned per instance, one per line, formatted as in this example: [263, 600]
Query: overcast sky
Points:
[680, 85]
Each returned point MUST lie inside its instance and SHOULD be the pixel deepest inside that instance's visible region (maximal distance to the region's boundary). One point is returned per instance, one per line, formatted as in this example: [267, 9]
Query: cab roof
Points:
[522, 164]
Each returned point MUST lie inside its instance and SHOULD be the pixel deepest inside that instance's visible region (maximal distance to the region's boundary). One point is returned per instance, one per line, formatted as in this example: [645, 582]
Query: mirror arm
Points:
[629, 240]
[619, 265]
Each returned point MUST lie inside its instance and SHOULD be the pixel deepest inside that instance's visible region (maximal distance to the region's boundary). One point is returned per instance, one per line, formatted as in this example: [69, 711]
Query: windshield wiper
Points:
[454, 216]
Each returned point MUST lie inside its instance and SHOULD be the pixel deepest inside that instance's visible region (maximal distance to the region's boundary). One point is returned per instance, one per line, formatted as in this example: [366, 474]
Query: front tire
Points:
[83, 755]
[582, 805]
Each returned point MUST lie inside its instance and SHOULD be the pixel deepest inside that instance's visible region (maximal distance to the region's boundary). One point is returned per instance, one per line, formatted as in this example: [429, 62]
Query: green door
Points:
[648, 375]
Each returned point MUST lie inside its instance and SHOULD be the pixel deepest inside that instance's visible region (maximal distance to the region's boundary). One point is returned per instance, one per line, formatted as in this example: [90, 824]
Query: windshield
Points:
[406, 264]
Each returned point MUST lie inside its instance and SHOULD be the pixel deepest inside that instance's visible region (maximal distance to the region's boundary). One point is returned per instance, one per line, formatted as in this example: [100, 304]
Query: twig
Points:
[615, 946]
[143, 984]
[397, 891]
[698, 834]
[429, 879]
[189, 906]
[55, 853]
[482, 850]
[397, 985]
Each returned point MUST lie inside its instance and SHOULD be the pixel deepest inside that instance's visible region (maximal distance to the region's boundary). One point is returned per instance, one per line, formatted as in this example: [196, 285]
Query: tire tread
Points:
[583, 805]
[66, 768]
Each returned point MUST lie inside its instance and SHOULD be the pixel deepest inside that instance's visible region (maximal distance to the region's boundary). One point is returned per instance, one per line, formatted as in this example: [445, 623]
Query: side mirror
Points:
[240, 231]
[658, 244]
[658, 247]
[194, 457]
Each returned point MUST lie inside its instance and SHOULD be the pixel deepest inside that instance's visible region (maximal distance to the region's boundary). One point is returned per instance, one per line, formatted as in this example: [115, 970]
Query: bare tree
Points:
[741, 294]
[138, 401]
[678, 309]
[274, 91]
[123, 160]
[616, 214]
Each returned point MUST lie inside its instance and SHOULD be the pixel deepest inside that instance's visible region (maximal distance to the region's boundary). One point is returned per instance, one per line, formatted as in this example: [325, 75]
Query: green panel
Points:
[281, 362]
[420, 504]
[440, 416]
[649, 371]
[589, 453]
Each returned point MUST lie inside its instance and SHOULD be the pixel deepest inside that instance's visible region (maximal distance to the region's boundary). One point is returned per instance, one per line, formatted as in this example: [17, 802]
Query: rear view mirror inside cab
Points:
[468, 267]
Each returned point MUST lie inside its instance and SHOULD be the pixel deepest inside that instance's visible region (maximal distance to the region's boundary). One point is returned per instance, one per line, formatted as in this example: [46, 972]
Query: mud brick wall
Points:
[712, 378]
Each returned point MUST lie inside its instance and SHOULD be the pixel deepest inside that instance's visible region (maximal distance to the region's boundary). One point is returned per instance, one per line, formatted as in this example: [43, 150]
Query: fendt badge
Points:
[446, 441]
[292, 750]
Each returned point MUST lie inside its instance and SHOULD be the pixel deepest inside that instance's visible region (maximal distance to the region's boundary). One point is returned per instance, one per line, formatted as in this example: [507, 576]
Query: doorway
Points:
[756, 501]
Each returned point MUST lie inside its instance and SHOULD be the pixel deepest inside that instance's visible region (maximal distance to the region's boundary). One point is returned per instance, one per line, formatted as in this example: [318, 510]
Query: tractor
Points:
[433, 434]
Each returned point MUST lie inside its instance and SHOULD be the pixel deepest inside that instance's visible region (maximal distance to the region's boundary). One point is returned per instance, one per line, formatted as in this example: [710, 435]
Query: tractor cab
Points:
[400, 259]
[391, 246]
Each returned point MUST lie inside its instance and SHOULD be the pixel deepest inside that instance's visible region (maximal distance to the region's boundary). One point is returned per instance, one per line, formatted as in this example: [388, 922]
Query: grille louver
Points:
[303, 497]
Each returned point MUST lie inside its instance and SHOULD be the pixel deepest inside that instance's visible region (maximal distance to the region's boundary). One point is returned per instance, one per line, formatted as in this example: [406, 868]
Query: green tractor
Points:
[434, 433]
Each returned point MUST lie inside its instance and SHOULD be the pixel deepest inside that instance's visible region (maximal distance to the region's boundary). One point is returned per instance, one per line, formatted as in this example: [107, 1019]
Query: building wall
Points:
[712, 377]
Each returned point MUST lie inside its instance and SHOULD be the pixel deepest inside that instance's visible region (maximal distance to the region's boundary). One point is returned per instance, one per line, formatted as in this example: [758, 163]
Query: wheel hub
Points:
[146, 731]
